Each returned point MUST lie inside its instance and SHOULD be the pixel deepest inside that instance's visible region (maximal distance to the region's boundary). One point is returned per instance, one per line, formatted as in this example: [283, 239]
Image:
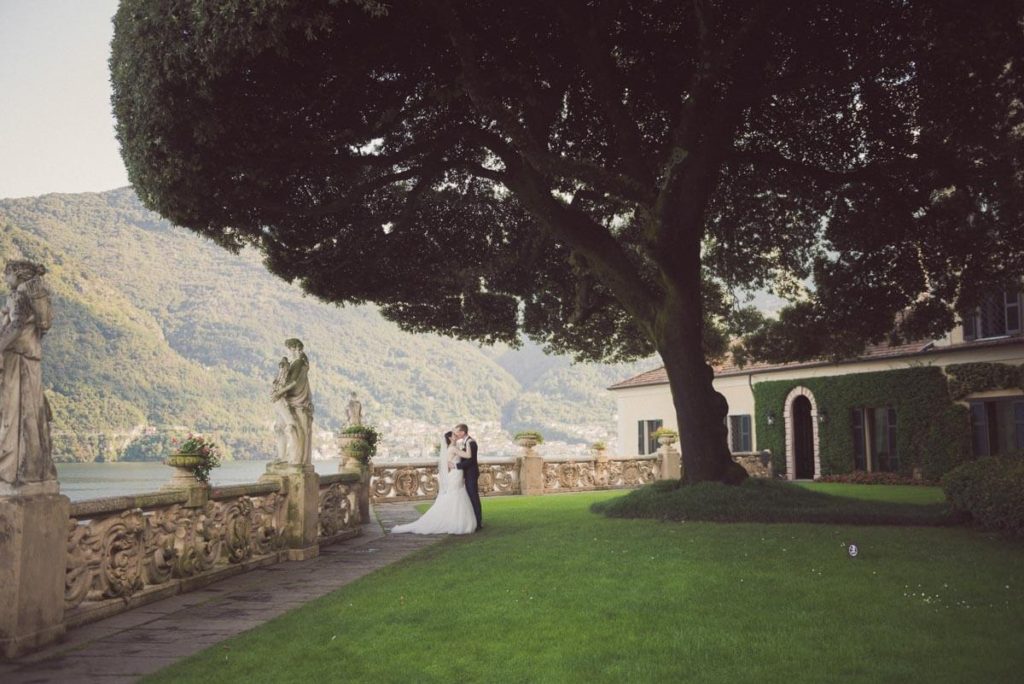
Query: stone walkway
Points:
[124, 647]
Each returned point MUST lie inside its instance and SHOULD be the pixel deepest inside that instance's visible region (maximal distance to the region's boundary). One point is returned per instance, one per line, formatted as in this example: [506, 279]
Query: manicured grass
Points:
[781, 502]
[912, 494]
[550, 592]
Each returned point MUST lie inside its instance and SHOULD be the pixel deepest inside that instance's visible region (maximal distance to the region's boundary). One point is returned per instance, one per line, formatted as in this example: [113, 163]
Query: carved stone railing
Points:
[499, 477]
[125, 551]
[756, 463]
[417, 480]
[403, 481]
[338, 510]
[578, 475]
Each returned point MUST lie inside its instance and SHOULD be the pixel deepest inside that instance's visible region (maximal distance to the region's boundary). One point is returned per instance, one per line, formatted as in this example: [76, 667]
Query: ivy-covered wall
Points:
[932, 433]
[965, 378]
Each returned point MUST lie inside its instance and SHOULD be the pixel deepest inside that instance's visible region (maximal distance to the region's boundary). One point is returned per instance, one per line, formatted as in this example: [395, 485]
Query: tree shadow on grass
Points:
[767, 501]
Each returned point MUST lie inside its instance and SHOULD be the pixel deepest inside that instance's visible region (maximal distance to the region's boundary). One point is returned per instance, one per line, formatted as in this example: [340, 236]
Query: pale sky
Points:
[56, 129]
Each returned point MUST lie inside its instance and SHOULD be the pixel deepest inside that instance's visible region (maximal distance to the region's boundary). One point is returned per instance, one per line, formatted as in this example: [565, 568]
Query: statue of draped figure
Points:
[26, 452]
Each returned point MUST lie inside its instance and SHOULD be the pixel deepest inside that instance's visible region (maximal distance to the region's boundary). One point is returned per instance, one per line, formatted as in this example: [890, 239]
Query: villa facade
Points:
[917, 409]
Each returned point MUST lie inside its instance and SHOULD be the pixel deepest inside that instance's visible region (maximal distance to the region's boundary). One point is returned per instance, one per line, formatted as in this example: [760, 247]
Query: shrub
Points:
[863, 477]
[358, 449]
[529, 434]
[205, 452]
[991, 491]
[665, 432]
[368, 433]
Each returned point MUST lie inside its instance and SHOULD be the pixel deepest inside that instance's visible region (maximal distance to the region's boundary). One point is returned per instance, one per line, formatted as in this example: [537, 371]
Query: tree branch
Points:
[607, 90]
[872, 173]
[581, 233]
[523, 142]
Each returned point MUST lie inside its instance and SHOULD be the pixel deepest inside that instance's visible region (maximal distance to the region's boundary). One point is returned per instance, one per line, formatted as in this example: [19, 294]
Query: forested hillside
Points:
[158, 328]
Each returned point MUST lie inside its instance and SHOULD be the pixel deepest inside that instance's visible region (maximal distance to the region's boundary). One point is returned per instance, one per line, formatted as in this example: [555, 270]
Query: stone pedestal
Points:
[33, 562]
[302, 485]
[670, 461]
[364, 493]
[531, 473]
[365, 472]
[183, 480]
[601, 474]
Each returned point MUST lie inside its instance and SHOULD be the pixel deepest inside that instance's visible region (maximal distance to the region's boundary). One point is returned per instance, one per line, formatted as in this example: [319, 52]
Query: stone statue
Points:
[282, 413]
[353, 412]
[25, 449]
[295, 408]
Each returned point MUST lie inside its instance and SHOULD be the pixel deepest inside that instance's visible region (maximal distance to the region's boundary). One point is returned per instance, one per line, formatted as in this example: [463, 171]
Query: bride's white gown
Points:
[452, 512]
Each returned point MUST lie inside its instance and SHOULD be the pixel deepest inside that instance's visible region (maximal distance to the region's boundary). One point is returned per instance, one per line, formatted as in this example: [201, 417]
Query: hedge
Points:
[991, 491]
[965, 378]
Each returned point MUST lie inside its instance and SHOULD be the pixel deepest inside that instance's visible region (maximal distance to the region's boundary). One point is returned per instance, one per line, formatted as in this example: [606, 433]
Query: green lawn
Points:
[915, 494]
[767, 501]
[551, 592]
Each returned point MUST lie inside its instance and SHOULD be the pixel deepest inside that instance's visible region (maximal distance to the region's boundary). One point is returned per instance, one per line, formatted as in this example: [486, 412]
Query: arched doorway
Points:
[800, 413]
[803, 438]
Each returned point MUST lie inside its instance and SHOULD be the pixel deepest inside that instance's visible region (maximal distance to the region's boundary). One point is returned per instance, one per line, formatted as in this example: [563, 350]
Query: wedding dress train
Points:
[452, 512]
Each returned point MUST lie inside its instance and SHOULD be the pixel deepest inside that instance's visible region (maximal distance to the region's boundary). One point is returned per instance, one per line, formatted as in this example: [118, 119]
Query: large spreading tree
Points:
[600, 175]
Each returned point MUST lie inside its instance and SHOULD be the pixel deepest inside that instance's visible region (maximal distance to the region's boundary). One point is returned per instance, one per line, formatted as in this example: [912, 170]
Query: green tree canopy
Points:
[596, 174]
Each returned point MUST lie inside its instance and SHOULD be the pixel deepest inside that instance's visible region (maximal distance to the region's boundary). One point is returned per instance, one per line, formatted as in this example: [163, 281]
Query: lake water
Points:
[80, 481]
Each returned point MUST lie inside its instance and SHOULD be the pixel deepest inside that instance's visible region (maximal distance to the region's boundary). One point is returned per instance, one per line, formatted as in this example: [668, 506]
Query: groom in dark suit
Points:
[470, 469]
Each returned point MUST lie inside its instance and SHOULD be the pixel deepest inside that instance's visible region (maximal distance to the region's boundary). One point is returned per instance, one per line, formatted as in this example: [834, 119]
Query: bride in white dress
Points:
[452, 512]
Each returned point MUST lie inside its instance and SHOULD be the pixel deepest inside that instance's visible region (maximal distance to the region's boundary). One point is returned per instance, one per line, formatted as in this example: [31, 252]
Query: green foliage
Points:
[932, 432]
[158, 328]
[369, 434]
[757, 500]
[665, 432]
[880, 478]
[598, 446]
[529, 434]
[967, 378]
[991, 491]
[358, 449]
[152, 447]
[205, 450]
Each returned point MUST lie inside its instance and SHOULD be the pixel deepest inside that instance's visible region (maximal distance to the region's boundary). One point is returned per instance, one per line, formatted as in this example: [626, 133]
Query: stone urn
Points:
[527, 442]
[183, 476]
[668, 439]
[355, 450]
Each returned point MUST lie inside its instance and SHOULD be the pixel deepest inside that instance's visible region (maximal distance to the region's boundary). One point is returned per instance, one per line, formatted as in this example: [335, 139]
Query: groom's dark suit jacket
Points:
[470, 468]
[470, 464]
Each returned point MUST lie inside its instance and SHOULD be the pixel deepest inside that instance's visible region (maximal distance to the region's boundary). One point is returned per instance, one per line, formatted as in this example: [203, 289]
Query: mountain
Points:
[159, 329]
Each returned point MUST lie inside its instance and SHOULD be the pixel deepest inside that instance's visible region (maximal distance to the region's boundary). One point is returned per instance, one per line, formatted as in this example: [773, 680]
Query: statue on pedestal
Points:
[353, 412]
[293, 407]
[282, 413]
[25, 448]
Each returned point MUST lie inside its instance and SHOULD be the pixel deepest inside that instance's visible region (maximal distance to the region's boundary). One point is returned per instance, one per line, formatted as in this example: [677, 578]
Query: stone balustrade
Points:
[756, 463]
[122, 552]
[579, 475]
[127, 551]
[416, 480]
[338, 508]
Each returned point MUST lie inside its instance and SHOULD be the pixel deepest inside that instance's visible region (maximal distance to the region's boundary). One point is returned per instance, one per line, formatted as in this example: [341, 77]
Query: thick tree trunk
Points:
[701, 411]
